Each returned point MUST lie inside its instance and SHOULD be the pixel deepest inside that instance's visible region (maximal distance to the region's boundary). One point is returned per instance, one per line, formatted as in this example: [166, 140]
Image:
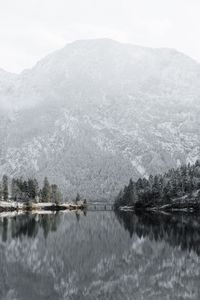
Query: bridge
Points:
[99, 206]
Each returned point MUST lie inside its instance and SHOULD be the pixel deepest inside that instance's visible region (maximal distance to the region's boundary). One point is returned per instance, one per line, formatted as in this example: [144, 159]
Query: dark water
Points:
[100, 256]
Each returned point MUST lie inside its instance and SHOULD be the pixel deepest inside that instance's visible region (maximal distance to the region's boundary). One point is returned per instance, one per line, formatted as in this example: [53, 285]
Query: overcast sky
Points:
[30, 29]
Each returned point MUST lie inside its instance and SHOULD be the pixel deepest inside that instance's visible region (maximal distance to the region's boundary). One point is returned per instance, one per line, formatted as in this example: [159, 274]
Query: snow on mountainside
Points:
[98, 112]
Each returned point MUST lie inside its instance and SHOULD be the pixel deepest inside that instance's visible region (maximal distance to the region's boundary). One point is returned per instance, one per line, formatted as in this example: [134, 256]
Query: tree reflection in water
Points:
[178, 229]
[93, 257]
[28, 225]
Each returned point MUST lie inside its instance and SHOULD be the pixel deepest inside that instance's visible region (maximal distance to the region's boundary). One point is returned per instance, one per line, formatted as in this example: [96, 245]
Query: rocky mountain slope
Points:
[98, 112]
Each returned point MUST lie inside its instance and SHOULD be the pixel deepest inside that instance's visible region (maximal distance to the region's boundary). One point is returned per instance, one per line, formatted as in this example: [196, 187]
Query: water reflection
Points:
[28, 225]
[100, 256]
[178, 229]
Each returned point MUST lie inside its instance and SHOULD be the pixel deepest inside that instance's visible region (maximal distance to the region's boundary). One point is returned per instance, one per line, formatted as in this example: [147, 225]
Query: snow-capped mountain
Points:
[98, 112]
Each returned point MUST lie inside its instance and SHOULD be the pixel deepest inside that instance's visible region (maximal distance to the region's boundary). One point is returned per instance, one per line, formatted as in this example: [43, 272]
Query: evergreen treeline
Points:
[161, 189]
[24, 190]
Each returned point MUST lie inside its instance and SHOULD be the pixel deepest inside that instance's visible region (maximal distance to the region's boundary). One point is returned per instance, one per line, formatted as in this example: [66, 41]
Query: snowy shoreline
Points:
[8, 206]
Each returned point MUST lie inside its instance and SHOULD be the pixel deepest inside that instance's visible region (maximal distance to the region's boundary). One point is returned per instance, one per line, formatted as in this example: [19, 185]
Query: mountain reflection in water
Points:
[72, 256]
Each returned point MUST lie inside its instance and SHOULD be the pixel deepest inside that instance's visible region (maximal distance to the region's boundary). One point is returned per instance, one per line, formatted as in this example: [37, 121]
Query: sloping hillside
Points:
[97, 112]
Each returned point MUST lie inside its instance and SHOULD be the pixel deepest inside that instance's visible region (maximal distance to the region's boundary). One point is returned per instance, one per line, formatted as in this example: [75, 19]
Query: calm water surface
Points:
[99, 256]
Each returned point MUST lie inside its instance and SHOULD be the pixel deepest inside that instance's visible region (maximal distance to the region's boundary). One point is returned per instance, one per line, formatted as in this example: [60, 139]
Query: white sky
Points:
[30, 29]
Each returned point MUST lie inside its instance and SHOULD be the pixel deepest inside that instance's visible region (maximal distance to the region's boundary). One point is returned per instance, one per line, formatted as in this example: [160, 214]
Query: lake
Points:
[99, 255]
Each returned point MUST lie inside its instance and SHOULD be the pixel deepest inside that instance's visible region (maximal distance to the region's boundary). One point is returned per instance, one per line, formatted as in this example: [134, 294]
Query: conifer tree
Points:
[14, 189]
[46, 191]
[5, 187]
[1, 192]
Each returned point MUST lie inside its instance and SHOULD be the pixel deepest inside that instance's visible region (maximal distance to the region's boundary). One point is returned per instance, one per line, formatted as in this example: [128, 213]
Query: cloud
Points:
[31, 29]
[22, 46]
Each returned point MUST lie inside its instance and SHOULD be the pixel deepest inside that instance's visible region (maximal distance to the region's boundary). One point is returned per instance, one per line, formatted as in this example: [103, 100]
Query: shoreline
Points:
[12, 206]
[189, 207]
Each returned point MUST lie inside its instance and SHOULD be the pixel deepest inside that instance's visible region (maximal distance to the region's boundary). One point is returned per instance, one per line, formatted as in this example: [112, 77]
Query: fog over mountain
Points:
[98, 112]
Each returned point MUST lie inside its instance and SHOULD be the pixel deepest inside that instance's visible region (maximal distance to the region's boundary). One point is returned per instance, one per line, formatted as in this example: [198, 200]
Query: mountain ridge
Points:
[99, 40]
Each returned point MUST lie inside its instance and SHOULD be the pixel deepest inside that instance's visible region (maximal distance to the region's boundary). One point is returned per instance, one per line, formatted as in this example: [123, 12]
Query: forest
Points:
[22, 190]
[174, 188]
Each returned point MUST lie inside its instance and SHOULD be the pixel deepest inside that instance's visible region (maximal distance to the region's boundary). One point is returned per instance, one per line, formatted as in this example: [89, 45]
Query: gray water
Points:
[99, 255]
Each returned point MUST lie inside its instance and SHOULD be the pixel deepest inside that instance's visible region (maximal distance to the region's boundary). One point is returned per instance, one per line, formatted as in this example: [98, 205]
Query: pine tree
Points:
[33, 188]
[78, 198]
[25, 190]
[15, 192]
[5, 187]
[1, 192]
[129, 193]
[46, 191]
[155, 188]
[55, 194]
